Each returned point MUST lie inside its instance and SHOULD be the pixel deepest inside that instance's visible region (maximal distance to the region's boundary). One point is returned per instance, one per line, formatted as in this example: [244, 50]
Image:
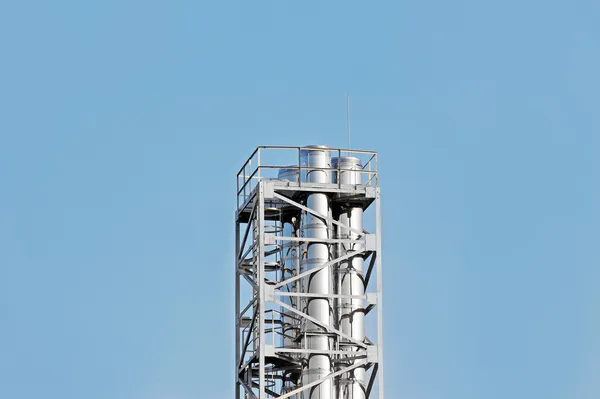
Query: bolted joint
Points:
[268, 190]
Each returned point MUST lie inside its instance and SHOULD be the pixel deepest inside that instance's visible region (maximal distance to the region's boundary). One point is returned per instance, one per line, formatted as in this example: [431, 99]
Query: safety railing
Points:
[270, 162]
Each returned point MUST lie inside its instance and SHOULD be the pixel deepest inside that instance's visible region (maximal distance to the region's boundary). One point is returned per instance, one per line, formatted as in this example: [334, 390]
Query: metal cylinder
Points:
[290, 261]
[290, 173]
[350, 312]
[317, 160]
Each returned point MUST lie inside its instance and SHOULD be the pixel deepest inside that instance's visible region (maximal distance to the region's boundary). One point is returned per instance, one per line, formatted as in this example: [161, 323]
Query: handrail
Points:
[248, 160]
[369, 168]
[248, 179]
[369, 161]
[291, 147]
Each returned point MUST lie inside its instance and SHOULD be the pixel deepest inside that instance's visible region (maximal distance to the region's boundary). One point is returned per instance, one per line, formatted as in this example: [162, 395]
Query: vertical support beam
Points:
[299, 167]
[237, 307]
[258, 163]
[379, 294]
[261, 287]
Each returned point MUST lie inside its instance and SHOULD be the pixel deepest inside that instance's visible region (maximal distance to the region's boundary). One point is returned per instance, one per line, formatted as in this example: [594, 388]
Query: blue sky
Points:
[122, 125]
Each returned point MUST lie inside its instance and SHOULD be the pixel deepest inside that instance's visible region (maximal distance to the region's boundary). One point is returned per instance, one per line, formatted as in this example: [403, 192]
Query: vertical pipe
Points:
[317, 366]
[351, 278]
[289, 252]
[290, 267]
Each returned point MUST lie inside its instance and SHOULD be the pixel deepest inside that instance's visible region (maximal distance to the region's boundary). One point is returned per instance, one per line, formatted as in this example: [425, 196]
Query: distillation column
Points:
[316, 365]
[351, 279]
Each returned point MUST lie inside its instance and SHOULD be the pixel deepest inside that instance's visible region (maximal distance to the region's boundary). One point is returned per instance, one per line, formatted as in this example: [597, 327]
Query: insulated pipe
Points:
[351, 278]
[317, 366]
[290, 267]
[289, 324]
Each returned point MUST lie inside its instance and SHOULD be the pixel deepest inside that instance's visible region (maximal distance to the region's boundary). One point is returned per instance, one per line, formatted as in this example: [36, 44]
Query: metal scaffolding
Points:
[308, 278]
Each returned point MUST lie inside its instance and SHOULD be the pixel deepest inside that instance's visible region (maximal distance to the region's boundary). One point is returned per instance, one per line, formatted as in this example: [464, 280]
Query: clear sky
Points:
[122, 124]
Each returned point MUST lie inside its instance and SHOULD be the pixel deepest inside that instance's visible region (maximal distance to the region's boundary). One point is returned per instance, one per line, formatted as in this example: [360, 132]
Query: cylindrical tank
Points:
[317, 366]
[290, 173]
[350, 277]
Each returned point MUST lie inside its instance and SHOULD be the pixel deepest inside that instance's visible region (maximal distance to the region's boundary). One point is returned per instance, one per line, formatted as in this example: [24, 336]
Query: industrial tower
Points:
[308, 279]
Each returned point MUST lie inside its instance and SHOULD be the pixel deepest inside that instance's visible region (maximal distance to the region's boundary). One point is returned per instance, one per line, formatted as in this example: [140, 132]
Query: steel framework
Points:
[278, 333]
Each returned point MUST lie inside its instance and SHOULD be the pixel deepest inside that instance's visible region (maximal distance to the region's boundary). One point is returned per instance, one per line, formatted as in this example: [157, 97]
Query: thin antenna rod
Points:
[348, 119]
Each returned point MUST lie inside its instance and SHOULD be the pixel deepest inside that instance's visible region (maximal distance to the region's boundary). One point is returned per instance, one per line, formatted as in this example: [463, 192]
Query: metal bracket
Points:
[372, 298]
[372, 354]
[268, 190]
[371, 242]
[269, 291]
[269, 350]
[270, 239]
[370, 192]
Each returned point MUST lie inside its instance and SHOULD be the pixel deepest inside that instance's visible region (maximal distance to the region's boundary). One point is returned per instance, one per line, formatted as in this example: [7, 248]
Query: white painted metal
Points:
[317, 366]
[350, 278]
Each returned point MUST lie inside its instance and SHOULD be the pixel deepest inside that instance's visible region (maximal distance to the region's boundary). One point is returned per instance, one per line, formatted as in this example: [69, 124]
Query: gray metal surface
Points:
[308, 276]
[290, 261]
[350, 279]
[317, 366]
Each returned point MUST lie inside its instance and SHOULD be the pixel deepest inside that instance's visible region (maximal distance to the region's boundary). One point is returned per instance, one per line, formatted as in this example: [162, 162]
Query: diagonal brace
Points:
[316, 269]
[318, 382]
[317, 322]
[248, 228]
[317, 214]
